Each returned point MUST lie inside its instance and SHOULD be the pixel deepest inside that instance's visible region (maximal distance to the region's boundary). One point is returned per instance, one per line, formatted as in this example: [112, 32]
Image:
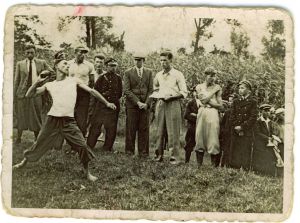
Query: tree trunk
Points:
[196, 45]
[93, 29]
[88, 32]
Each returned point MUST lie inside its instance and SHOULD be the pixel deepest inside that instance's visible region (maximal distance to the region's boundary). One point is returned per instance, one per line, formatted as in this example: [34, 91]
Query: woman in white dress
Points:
[208, 124]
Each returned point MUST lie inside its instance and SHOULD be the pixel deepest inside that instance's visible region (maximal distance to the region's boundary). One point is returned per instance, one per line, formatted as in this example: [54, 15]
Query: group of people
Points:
[86, 96]
[236, 133]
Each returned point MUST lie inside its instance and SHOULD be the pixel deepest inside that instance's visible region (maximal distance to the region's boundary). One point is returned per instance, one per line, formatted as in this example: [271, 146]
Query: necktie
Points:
[29, 82]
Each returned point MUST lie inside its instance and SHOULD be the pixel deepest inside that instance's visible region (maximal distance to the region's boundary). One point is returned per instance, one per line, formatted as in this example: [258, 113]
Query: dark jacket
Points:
[110, 86]
[244, 113]
[21, 75]
[137, 88]
[191, 108]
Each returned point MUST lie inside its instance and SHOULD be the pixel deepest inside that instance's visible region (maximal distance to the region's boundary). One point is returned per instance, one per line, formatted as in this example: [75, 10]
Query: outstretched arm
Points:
[97, 95]
[34, 90]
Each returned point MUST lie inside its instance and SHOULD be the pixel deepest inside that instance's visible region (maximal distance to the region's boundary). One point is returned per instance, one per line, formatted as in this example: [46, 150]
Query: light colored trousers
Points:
[168, 118]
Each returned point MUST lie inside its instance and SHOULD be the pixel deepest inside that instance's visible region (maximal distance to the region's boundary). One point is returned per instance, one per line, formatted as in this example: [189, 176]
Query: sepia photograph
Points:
[158, 113]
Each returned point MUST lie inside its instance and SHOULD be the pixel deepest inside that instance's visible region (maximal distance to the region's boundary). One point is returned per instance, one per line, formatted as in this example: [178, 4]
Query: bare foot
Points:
[20, 165]
[90, 177]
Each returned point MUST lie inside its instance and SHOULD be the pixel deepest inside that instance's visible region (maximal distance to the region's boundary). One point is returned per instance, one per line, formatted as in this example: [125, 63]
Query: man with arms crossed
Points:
[60, 123]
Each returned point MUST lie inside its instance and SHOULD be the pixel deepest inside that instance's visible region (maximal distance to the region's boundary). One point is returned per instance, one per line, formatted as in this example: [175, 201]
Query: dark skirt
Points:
[29, 113]
[240, 149]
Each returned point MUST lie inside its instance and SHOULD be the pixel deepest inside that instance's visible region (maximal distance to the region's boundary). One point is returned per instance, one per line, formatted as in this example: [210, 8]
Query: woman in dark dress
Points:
[243, 117]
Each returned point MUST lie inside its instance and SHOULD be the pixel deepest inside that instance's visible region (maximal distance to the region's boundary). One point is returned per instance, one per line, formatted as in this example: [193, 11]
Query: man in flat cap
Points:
[109, 84]
[84, 70]
[28, 111]
[264, 159]
[60, 124]
[138, 85]
[169, 88]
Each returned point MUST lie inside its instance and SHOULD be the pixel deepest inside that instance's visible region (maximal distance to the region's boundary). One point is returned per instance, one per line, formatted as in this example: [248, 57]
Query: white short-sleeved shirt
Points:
[81, 71]
[63, 95]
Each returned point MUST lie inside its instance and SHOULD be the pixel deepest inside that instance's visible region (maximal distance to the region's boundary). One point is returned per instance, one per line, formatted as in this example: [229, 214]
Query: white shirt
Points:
[63, 95]
[139, 71]
[266, 121]
[82, 70]
[171, 83]
[33, 66]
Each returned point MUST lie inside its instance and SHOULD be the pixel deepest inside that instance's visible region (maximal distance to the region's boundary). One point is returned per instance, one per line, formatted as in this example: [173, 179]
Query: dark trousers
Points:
[82, 110]
[137, 122]
[108, 119]
[241, 149]
[190, 138]
[52, 135]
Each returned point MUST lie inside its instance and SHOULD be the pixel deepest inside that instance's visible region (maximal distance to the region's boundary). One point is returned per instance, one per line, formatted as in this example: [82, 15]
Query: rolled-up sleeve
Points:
[182, 84]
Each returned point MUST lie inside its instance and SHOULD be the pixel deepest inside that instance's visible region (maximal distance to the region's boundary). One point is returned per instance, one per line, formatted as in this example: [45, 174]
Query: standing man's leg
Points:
[161, 126]
[82, 110]
[143, 133]
[110, 125]
[132, 122]
[173, 122]
[95, 131]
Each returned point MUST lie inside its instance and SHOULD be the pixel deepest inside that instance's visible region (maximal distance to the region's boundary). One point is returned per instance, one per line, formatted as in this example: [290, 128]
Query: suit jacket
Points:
[263, 132]
[244, 113]
[138, 88]
[191, 108]
[21, 75]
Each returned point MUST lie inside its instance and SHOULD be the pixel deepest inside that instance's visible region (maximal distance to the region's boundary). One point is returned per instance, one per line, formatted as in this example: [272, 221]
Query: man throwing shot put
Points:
[60, 123]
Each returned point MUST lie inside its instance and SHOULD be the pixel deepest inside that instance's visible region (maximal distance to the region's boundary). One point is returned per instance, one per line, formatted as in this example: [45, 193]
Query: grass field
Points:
[130, 183]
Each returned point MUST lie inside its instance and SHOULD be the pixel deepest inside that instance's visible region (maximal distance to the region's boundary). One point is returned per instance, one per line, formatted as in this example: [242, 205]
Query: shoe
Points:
[187, 156]
[199, 156]
[159, 159]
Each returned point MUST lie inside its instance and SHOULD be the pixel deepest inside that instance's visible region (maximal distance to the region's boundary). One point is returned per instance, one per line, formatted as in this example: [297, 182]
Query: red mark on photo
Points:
[79, 10]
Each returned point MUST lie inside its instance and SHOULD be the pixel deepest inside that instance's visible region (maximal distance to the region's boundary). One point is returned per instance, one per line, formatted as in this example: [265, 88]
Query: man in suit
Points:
[28, 111]
[84, 70]
[109, 84]
[138, 85]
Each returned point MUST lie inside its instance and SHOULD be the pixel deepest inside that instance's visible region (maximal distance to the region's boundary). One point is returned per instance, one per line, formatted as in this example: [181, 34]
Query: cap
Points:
[111, 60]
[59, 56]
[139, 56]
[82, 49]
[210, 70]
[265, 107]
[279, 111]
[247, 84]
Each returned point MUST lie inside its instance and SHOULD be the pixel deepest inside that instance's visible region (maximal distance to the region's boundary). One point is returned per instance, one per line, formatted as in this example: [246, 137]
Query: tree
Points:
[239, 39]
[97, 31]
[274, 46]
[25, 33]
[202, 25]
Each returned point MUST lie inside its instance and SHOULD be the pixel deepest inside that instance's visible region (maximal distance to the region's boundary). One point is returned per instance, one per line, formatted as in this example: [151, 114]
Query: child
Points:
[191, 116]
[243, 117]
[264, 159]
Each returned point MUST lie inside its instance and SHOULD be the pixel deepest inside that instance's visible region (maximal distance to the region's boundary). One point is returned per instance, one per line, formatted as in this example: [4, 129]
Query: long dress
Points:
[208, 124]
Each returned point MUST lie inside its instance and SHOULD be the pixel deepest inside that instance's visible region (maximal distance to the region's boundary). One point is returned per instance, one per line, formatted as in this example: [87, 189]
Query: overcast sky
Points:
[144, 35]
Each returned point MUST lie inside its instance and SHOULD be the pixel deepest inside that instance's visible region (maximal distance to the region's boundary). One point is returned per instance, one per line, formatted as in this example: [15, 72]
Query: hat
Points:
[246, 83]
[111, 60]
[279, 111]
[210, 70]
[139, 56]
[59, 56]
[82, 49]
[265, 107]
